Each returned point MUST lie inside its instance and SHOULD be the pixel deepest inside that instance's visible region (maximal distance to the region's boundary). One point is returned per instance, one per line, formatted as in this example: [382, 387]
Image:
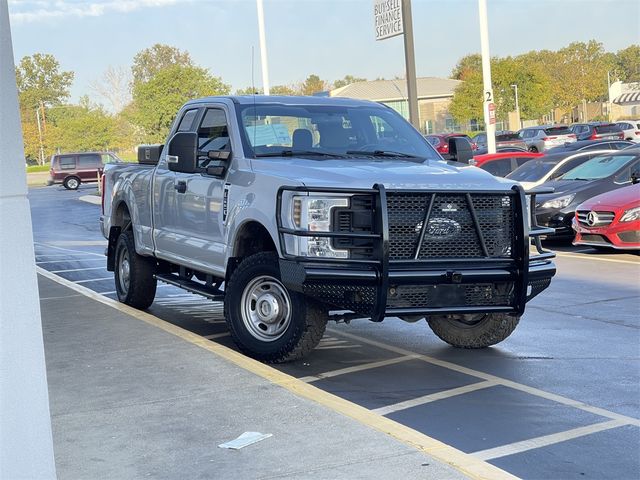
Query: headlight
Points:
[311, 213]
[559, 202]
[631, 215]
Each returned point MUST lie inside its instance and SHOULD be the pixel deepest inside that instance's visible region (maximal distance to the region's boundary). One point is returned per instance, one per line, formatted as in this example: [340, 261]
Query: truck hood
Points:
[392, 173]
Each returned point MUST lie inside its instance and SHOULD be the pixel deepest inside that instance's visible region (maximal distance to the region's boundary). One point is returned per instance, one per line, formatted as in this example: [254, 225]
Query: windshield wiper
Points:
[381, 153]
[583, 179]
[293, 153]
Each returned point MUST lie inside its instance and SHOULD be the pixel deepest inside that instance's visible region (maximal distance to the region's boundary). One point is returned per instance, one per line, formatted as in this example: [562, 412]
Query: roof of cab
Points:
[287, 100]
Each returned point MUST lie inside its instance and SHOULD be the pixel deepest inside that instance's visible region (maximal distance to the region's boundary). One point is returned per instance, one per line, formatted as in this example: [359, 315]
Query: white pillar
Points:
[26, 445]
[487, 94]
[263, 49]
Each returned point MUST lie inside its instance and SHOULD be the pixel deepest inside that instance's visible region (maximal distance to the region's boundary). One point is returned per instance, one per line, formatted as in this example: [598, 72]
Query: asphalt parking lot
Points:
[559, 399]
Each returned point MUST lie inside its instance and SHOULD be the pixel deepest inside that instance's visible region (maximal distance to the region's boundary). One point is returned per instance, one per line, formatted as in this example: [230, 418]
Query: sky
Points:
[330, 38]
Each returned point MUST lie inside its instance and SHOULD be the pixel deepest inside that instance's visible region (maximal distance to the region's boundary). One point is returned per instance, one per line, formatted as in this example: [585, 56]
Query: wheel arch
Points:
[251, 237]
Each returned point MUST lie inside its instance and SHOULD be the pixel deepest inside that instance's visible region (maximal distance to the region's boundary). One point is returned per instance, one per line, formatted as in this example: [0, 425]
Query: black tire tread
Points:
[142, 283]
[313, 328]
[494, 329]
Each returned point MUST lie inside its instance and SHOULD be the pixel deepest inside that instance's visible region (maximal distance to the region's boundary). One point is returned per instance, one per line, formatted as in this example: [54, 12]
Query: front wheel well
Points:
[252, 238]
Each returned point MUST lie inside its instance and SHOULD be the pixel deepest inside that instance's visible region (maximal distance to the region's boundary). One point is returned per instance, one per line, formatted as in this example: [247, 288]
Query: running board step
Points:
[191, 286]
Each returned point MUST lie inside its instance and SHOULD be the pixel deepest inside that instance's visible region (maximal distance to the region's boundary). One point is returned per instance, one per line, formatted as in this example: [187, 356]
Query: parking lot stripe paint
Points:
[593, 257]
[95, 279]
[414, 402]
[469, 465]
[335, 347]
[92, 259]
[61, 255]
[498, 380]
[216, 335]
[546, 440]
[80, 243]
[48, 246]
[357, 368]
[78, 269]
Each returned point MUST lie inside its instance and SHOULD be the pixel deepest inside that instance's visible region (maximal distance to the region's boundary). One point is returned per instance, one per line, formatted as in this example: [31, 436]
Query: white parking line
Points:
[414, 402]
[60, 254]
[78, 270]
[357, 368]
[593, 257]
[95, 279]
[92, 259]
[546, 440]
[498, 380]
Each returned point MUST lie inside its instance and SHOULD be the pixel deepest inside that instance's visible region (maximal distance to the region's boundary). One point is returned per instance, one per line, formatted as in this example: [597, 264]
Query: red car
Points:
[72, 169]
[502, 164]
[441, 141]
[610, 220]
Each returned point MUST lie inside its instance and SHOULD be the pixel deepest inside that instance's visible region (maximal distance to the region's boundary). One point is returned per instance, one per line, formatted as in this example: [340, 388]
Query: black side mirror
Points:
[149, 154]
[460, 150]
[635, 177]
[183, 152]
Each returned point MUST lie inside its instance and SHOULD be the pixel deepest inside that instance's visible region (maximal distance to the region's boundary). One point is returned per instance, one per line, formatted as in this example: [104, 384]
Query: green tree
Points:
[313, 84]
[157, 100]
[40, 81]
[150, 61]
[466, 66]
[275, 90]
[627, 64]
[347, 80]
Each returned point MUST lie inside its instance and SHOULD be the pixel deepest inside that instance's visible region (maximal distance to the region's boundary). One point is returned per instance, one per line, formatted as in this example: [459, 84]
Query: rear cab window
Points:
[499, 168]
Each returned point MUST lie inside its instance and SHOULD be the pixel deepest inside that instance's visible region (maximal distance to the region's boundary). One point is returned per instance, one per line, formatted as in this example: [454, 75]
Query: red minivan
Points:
[72, 169]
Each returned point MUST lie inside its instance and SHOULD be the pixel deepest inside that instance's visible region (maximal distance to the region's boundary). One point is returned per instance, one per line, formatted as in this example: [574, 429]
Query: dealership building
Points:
[434, 97]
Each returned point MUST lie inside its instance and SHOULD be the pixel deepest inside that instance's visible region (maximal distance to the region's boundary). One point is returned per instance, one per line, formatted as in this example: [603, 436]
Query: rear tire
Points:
[489, 329]
[533, 149]
[71, 183]
[134, 274]
[267, 321]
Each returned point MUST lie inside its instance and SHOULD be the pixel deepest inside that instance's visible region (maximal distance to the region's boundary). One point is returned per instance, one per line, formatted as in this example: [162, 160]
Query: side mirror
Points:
[149, 154]
[635, 177]
[460, 150]
[183, 152]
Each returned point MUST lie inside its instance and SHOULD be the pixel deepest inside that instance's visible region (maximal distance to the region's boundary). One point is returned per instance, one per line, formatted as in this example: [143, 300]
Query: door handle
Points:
[180, 186]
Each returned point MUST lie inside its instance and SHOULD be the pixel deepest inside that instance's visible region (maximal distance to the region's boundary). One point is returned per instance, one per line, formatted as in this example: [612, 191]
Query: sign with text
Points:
[388, 18]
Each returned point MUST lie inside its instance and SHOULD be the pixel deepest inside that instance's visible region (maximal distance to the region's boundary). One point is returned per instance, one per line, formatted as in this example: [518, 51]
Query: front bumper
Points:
[620, 236]
[440, 286]
[558, 220]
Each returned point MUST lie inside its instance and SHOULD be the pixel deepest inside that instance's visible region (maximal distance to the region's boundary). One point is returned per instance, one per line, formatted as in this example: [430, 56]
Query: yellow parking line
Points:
[468, 464]
[593, 257]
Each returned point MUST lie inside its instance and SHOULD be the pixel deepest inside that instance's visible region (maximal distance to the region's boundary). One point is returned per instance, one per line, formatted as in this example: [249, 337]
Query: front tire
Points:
[267, 321]
[134, 274]
[473, 331]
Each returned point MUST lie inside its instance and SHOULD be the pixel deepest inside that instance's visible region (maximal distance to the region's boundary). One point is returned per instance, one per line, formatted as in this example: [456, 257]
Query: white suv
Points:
[631, 129]
[539, 139]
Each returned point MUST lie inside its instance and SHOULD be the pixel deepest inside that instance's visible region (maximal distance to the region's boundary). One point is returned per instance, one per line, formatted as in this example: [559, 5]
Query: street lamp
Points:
[515, 87]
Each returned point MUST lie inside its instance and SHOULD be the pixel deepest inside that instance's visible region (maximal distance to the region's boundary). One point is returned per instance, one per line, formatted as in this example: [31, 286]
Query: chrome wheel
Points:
[265, 308]
[124, 270]
[72, 183]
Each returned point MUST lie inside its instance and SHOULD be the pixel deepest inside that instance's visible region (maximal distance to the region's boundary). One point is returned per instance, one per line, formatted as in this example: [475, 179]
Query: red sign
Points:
[492, 113]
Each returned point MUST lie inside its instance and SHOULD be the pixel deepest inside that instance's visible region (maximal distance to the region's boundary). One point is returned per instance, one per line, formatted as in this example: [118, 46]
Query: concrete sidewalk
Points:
[129, 400]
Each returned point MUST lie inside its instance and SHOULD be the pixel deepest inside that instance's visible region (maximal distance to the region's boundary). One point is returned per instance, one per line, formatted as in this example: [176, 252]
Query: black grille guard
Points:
[520, 263]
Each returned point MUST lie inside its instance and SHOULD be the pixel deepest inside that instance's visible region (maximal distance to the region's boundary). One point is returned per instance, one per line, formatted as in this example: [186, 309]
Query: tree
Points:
[148, 62]
[275, 90]
[313, 84]
[347, 80]
[157, 100]
[114, 86]
[466, 66]
[627, 64]
[40, 81]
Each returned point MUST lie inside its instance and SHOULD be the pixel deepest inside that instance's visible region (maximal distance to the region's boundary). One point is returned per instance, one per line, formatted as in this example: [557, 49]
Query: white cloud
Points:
[26, 11]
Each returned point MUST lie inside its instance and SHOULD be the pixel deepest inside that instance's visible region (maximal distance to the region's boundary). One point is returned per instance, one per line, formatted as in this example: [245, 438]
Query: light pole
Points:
[515, 87]
[263, 48]
[489, 106]
[410, 64]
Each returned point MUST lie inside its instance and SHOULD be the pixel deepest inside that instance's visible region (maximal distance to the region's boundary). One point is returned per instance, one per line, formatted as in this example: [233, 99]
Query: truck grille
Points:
[451, 232]
[589, 218]
[481, 294]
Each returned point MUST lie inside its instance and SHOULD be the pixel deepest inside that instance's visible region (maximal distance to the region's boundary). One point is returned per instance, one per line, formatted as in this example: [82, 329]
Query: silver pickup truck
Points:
[299, 210]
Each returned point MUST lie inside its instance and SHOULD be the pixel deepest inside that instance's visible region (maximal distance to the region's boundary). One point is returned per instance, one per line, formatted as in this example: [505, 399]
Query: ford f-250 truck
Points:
[299, 210]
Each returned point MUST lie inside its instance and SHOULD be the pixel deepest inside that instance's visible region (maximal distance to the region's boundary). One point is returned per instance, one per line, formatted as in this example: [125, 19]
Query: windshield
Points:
[531, 171]
[612, 128]
[598, 167]
[325, 131]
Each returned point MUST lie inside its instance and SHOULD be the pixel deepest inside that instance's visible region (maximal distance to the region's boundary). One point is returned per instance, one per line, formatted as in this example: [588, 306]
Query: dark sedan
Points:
[601, 174]
[583, 145]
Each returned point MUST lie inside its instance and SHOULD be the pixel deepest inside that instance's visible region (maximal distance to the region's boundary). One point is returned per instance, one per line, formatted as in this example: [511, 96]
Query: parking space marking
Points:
[80, 243]
[78, 269]
[498, 380]
[414, 402]
[216, 335]
[59, 254]
[95, 279]
[593, 257]
[467, 464]
[546, 440]
[357, 368]
[92, 259]
[46, 245]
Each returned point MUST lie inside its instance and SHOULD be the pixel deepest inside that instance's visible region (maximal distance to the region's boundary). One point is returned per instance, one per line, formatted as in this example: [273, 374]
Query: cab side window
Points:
[213, 134]
[67, 162]
[499, 168]
[89, 161]
[187, 120]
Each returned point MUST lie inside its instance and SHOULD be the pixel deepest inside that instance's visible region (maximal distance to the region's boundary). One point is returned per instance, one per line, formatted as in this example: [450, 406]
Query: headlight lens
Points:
[311, 213]
[559, 202]
[631, 215]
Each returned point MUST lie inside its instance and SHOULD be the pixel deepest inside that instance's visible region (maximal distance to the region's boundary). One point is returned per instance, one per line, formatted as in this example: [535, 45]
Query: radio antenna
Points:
[253, 88]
